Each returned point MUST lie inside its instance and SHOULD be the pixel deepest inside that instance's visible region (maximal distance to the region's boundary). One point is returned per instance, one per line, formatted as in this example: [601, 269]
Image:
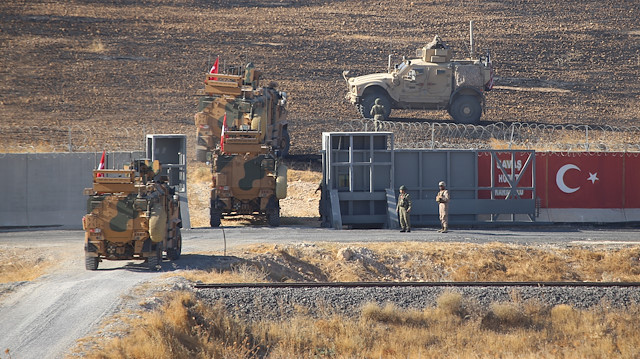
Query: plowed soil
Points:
[133, 64]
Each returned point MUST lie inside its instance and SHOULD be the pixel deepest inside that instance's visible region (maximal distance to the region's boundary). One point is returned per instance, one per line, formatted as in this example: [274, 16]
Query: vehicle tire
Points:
[466, 109]
[285, 143]
[91, 263]
[273, 217]
[154, 261]
[174, 253]
[369, 99]
[215, 218]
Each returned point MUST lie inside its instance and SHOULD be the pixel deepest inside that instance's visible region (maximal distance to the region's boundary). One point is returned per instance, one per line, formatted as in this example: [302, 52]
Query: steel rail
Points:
[411, 284]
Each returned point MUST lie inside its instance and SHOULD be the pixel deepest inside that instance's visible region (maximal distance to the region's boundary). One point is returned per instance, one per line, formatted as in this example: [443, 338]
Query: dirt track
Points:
[139, 63]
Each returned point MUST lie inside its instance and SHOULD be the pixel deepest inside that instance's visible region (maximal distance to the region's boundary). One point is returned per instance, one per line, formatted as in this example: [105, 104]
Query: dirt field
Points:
[133, 64]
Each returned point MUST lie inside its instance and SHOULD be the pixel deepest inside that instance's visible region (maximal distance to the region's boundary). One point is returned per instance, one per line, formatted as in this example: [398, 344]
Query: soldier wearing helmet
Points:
[403, 208]
[377, 111]
[443, 206]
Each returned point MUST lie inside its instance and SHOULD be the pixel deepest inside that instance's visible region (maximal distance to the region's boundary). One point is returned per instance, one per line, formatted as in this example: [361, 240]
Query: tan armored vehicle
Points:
[432, 81]
[131, 214]
[242, 131]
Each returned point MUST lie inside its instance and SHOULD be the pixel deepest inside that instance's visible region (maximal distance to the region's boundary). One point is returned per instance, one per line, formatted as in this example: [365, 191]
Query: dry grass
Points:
[23, 264]
[181, 328]
[412, 261]
[97, 46]
[238, 274]
[455, 327]
[187, 328]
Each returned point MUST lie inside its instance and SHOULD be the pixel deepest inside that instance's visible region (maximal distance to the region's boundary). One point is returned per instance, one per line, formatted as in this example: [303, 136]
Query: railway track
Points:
[414, 284]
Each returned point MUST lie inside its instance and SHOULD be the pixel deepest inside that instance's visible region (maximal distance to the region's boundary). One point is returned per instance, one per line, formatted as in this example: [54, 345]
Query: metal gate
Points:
[362, 170]
[171, 151]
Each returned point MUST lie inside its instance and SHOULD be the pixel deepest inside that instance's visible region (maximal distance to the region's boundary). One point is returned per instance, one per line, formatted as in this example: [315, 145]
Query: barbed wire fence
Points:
[428, 135]
[530, 136]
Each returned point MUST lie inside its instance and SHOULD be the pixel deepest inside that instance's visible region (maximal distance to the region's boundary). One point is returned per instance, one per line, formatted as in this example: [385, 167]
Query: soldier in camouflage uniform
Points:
[403, 209]
[377, 111]
[443, 206]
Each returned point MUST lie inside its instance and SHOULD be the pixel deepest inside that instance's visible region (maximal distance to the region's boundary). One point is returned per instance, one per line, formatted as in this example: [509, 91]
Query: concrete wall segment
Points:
[45, 189]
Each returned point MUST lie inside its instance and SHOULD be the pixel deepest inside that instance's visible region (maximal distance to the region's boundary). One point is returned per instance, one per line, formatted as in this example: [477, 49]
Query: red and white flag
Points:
[222, 134]
[214, 69]
[101, 164]
[582, 180]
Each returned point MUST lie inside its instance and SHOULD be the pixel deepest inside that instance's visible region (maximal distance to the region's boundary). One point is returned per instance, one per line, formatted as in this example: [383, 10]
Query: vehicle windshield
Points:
[401, 67]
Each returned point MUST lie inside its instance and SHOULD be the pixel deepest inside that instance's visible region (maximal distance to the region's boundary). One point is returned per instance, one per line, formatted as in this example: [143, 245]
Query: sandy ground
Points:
[129, 66]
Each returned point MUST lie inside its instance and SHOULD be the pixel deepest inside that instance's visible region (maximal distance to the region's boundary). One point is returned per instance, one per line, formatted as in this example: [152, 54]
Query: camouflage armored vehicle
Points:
[131, 214]
[432, 81]
[242, 132]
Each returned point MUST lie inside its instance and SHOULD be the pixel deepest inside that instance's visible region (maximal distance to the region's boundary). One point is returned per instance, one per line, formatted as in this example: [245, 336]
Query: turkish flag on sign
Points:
[582, 180]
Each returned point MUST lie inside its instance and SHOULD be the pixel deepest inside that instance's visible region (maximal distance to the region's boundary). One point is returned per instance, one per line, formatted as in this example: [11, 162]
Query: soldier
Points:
[403, 209]
[443, 206]
[377, 111]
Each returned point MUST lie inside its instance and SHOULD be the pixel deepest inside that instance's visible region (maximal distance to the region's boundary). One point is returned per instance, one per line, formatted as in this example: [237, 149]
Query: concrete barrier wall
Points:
[45, 189]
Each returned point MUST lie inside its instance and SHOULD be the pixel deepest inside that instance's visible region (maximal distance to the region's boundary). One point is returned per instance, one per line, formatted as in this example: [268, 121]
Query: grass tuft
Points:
[97, 46]
[505, 316]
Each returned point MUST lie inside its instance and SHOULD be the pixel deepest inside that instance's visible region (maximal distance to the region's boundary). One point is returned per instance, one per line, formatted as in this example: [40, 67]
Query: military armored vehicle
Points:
[242, 132]
[131, 214]
[432, 81]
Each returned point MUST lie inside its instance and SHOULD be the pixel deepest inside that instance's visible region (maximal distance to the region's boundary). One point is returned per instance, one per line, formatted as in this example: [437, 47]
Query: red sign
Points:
[564, 180]
[579, 180]
[510, 169]
[631, 183]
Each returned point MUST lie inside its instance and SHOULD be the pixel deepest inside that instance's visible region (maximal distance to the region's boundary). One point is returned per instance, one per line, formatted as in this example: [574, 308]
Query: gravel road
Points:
[44, 318]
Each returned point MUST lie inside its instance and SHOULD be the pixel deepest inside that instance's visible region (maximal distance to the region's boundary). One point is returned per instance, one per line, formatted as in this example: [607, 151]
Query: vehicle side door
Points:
[414, 84]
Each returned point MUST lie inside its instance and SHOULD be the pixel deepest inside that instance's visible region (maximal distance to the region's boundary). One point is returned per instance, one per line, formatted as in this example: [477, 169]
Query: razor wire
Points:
[410, 135]
[500, 135]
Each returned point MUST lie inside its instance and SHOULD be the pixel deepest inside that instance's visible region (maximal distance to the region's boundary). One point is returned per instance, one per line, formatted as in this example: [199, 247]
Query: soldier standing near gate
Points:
[377, 111]
[403, 209]
[443, 206]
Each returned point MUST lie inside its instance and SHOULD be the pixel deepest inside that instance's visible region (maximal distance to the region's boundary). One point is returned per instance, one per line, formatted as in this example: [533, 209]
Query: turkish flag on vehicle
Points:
[101, 164]
[222, 134]
[214, 69]
[581, 180]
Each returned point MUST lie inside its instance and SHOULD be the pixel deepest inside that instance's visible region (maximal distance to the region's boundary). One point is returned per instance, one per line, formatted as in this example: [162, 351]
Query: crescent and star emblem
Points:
[593, 177]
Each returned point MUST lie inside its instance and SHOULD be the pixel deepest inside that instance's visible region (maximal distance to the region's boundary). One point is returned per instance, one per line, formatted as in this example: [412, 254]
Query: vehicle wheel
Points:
[273, 217]
[91, 263]
[466, 109]
[215, 217]
[285, 143]
[154, 261]
[174, 253]
[369, 99]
